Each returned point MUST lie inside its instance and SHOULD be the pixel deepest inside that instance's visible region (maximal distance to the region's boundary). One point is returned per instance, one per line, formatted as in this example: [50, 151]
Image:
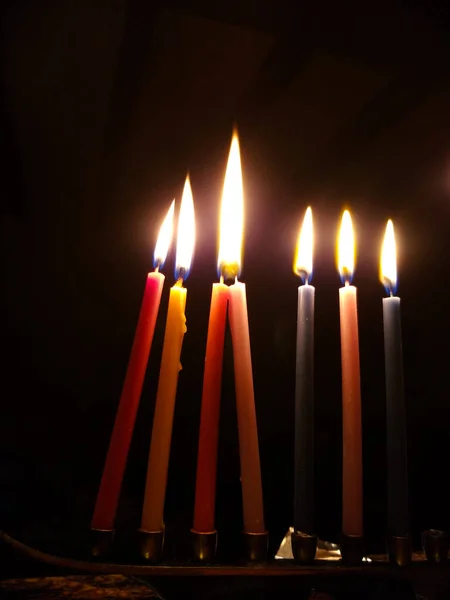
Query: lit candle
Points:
[111, 483]
[233, 207]
[352, 484]
[304, 385]
[397, 477]
[158, 463]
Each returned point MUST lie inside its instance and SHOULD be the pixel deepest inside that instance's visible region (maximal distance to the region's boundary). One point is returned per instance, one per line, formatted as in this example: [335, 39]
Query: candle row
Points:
[230, 301]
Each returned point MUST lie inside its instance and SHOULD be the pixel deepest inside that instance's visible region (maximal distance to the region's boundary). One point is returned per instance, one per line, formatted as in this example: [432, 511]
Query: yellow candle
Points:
[158, 463]
[352, 483]
[232, 219]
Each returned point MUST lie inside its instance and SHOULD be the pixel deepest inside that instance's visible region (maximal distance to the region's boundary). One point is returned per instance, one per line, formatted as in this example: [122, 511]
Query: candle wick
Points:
[221, 278]
[347, 283]
[157, 267]
[179, 282]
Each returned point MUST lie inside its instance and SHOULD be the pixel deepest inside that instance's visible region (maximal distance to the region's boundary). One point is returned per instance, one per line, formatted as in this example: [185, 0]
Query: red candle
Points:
[352, 477]
[111, 483]
[205, 491]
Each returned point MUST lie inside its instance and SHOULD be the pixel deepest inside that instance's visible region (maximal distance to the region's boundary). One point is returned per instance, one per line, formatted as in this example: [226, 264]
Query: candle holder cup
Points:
[204, 546]
[303, 547]
[436, 545]
[151, 545]
[255, 546]
[101, 542]
[399, 550]
[352, 549]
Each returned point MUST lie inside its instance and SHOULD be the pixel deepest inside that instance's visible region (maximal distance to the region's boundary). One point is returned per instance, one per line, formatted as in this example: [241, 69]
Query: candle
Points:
[352, 492]
[205, 490]
[397, 477]
[158, 463]
[111, 482]
[304, 385]
[229, 259]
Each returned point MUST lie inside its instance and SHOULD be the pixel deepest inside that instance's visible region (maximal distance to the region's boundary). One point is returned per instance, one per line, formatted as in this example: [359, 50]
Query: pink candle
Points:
[116, 458]
[231, 233]
[252, 499]
[352, 484]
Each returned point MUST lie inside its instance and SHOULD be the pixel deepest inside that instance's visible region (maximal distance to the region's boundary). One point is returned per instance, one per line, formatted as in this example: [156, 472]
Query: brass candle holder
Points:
[255, 546]
[101, 542]
[436, 545]
[399, 550]
[204, 546]
[151, 545]
[352, 549]
[303, 547]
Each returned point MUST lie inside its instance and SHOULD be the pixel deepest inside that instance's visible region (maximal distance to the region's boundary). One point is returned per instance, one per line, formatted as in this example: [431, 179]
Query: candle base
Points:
[303, 547]
[255, 546]
[204, 546]
[352, 549]
[101, 542]
[151, 545]
[399, 550]
[436, 545]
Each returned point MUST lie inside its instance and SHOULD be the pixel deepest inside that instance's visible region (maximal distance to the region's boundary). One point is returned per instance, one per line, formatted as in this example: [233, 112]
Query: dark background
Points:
[105, 105]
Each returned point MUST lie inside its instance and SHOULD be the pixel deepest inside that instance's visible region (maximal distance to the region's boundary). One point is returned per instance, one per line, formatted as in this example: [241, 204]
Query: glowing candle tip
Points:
[346, 248]
[231, 215]
[164, 239]
[388, 261]
[185, 234]
[303, 263]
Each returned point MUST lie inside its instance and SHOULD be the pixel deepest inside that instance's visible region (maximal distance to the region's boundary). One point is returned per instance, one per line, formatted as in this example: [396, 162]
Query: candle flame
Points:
[346, 248]
[164, 238]
[388, 262]
[304, 255]
[231, 215]
[186, 233]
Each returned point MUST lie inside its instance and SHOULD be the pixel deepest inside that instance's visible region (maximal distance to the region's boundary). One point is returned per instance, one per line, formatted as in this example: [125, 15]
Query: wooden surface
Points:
[77, 587]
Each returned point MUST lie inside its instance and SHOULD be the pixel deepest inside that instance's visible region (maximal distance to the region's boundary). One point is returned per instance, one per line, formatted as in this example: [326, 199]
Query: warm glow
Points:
[186, 233]
[388, 262]
[304, 254]
[346, 248]
[164, 238]
[231, 215]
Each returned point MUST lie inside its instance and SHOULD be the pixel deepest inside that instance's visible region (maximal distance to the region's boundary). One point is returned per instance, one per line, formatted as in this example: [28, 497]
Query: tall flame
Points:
[346, 248]
[186, 233]
[164, 238]
[231, 215]
[304, 256]
[388, 262]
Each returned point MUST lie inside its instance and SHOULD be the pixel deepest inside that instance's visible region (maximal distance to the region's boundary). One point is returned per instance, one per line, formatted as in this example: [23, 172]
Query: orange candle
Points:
[205, 490]
[111, 482]
[158, 463]
[352, 484]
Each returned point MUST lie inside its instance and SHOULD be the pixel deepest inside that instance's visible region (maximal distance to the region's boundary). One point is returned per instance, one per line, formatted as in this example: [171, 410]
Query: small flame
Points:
[346, 248]
[186, 233]
[164, 238]
[231, 215]
[388, 262]
[304, 256]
